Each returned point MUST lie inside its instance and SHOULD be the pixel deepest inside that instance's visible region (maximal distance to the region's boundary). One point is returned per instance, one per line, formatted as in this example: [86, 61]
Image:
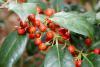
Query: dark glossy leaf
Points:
[74, 22]
[95, 45]
[58, 57]
[12, 49]
[91, 61]
[23, 10]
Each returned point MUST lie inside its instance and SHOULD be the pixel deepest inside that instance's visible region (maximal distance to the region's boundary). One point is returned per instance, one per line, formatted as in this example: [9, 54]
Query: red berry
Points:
[71, 48]
[21, 1]
[96, 51]
[24, 25]
[42, 28]
[31, 29]
[31, 17]
[31, 36]
[38, 41]
[50, 35]
[51, 26]
[78, 63]
[37, 22]
[62, 31]
[88, 41]
[49, 12]
[47, 39]
[67, 35]
[21, 31]
[48, 21]
[37, 35]
[42, 46]
[39, 9]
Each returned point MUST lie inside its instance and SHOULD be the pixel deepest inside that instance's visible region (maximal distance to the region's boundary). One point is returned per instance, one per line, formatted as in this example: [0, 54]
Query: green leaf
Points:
[58, 57]
[41, 17]
[95, 45]
[23, 10]
[90, 16]
[39, 2]
[56, 4]
[74, 22]
[92, 61]
[12, 49]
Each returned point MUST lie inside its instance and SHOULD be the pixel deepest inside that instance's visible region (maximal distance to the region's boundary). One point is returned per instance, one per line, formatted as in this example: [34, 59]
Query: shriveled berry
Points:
[31, 29]
[42, 46]
[71, 48]
[96, 51]
[21, 31]
[49, 35]
[42, 28]
[38, 41]
[88, 41]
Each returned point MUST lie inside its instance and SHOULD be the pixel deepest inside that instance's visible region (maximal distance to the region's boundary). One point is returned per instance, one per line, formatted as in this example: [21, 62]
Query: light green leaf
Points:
[91, 61]
[12, 49]
[41, 17]
[23, 10]
[57, 4]
[58, 57]
[74, 22]
[90, 16]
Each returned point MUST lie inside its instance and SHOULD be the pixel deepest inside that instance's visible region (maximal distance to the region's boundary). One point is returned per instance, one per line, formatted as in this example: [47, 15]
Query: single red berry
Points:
[42, 46]
[31, 36]
[49, 35]
[48, 21]
[62, 31]
[51, 26]
[38, 41]
[67, 35]
[49, 12]
[78, 63]
[88, 41]
[21, 1]
[96, 51]
[21, 31]
[47, 39]
[42, 28]
[39, 9]
[71, 48]
[31, 17]
[24, 24]
[37, 35]
[31, 29]
[37, 23]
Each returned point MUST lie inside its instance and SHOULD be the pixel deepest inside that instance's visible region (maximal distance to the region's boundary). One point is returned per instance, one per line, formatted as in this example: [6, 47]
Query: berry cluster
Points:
[36, 29]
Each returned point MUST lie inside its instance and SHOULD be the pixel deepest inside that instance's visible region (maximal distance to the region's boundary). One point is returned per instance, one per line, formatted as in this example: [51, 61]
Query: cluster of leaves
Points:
[78, 23]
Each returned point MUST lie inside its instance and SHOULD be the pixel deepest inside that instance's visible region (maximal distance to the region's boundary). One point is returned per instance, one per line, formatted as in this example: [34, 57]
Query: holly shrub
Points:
[68, 36]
